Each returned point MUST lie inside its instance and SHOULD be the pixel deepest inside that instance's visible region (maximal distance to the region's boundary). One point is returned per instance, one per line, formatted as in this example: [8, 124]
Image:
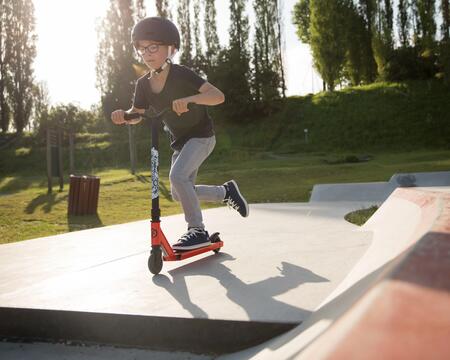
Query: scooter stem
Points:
[156, 212]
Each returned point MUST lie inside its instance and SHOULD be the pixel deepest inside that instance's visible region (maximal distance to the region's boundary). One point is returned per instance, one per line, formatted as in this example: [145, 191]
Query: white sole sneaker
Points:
[247, 210]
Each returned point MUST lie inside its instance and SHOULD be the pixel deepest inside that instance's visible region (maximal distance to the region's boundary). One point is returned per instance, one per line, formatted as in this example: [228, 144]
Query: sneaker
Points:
[234, 199]
[195, 238]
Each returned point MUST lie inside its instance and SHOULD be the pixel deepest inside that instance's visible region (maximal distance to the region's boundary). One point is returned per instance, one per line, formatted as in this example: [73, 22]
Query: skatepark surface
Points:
[284, 276]
[397, 226]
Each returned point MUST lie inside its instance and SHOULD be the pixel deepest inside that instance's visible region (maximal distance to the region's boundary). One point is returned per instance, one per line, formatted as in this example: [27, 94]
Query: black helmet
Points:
[156, 29]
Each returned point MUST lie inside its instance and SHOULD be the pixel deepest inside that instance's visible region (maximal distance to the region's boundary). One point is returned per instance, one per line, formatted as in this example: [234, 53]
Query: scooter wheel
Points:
[215, 238]
[155, 261]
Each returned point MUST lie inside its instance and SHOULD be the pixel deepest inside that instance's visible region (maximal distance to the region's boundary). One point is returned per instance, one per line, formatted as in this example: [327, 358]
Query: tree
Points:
[328, 39]
[199, 61]
[415, 20]
[184, 23]
[211, 38]
[423, 12]
[5, 58]
[444, 56]
[116, 61]
[257, 78]
[301, 19]
[366, 9]
[388, 23]
[69, 116]
[266, 53]
[427, 29]
[163, 9]
[232, 75]
[382, 36]
[41, 104]
[139, 8]
[445, 27]
[23, 52]
[281, 45]
[355, 40]
[403, 22]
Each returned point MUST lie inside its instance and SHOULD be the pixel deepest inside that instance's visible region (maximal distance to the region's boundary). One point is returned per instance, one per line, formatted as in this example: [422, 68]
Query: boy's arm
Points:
[134, 110]
[118, 116]
[209, 95]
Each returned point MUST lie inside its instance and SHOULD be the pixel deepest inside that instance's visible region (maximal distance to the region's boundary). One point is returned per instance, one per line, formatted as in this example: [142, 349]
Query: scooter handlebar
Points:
[131, 116]
[151, 113]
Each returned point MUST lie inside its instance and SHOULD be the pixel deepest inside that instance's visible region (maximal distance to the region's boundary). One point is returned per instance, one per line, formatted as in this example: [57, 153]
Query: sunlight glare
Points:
[67, 47]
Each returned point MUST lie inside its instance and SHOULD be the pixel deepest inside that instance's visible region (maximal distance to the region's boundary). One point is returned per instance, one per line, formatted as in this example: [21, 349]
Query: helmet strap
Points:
[166, 62]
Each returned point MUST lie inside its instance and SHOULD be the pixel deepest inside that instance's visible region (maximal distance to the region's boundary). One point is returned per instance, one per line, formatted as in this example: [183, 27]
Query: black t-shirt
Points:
[181, 82]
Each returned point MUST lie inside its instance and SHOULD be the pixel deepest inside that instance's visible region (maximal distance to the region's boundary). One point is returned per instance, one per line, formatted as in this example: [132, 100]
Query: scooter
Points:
[161, 249]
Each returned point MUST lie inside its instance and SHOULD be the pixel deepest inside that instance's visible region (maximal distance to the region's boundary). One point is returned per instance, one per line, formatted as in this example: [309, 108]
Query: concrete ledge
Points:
[377, 192]
[147, 332]
[409, 222]
[407, 314]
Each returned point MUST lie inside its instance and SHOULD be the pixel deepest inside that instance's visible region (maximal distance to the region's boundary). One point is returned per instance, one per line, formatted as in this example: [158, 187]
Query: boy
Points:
[190, 131]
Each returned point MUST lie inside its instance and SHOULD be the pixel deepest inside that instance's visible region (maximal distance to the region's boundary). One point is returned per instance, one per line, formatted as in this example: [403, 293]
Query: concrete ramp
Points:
[377, 192]
[93, 286]
[408, 216]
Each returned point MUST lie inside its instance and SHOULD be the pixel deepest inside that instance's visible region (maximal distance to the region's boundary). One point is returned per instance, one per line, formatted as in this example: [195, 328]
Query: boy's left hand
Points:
[180, 106]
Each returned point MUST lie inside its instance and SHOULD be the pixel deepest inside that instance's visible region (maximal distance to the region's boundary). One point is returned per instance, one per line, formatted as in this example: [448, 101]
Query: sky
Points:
[67, 47]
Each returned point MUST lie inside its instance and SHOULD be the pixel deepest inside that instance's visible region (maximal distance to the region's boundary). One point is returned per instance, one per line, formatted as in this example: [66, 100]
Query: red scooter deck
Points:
[181, 255]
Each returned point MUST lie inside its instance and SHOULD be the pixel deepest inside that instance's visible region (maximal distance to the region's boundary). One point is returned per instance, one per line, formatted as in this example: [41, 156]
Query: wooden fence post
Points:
[60, 159]
[71, 152]
[132, 150]
[49, 162]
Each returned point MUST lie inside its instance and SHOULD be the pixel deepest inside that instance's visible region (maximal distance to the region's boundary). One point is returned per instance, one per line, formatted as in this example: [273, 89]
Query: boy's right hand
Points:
[117, 117]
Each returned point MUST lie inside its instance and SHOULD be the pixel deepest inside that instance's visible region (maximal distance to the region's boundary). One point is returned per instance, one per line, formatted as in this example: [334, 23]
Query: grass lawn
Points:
[359, 217]
[27, 211]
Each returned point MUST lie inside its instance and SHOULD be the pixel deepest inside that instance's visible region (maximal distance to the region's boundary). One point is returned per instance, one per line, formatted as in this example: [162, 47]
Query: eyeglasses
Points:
[150, 49]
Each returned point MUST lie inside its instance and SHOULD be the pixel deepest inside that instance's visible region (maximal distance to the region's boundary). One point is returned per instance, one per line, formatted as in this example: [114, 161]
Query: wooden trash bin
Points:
[83, 195]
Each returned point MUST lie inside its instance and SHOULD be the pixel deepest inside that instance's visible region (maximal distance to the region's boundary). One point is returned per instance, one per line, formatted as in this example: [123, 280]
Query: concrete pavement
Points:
[275, 268]
[284, 276]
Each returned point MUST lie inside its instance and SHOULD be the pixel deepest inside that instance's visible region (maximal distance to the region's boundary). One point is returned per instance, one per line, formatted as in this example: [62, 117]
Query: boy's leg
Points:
[204, 192]
[182, 174]
[173, 191]
[228, 193]
[210, 192]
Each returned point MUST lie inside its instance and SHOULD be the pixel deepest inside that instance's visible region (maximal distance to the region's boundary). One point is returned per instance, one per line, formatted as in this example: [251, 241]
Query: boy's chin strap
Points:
[167, 62]
[160, 69]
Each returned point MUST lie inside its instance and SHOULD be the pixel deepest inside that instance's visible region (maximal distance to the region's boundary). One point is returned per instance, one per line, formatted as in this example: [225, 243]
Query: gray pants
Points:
[183, 173]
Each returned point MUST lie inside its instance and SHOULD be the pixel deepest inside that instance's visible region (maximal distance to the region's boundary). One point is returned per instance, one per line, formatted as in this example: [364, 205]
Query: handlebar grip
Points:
[132, 116]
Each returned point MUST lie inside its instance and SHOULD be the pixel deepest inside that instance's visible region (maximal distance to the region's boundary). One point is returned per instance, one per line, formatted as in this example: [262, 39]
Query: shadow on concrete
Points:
[47, 201]
[330, 311]
[256, 299]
